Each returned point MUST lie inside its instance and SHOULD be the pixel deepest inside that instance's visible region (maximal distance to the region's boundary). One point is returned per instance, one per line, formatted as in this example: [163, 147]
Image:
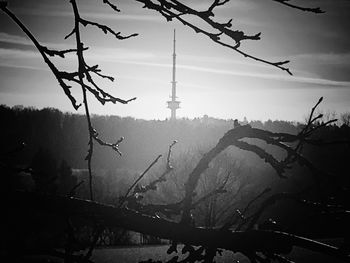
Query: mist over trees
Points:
[54, 144]
[63, 135]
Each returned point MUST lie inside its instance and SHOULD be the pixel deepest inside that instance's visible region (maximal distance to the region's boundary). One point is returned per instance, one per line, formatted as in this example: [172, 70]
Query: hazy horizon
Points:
[212, 80]
[327, 115]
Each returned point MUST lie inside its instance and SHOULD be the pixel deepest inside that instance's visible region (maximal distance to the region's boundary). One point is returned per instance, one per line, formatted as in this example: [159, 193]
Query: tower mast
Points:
[173, 105]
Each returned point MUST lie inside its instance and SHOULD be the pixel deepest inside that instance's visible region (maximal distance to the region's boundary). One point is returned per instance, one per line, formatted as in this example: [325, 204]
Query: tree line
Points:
[64, 135]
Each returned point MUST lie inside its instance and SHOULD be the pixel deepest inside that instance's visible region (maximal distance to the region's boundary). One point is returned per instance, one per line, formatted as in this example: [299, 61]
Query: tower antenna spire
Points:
[173, 104]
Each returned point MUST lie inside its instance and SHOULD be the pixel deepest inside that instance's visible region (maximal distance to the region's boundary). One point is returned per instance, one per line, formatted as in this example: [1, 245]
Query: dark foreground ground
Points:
[137, 254]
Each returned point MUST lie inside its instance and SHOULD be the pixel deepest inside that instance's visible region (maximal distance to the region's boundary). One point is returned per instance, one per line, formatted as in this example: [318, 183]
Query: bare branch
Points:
[162, 178]
[113, 146]
[72, 192]
[70, 34]
[315, 10]
[280, 258]
[122, 200]
[60, 53]
[232, 137]
[270, 201]
[219, 190]
[105, 29]
[278, 166]
[215, 4]
[97, 71]
[267, 190]
[81, 70]
[114, 7]
[318, 127]
[176, 10]
[39, 47]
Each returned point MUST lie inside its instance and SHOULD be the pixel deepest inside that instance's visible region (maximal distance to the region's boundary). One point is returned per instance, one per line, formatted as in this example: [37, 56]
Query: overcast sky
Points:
[212, 79]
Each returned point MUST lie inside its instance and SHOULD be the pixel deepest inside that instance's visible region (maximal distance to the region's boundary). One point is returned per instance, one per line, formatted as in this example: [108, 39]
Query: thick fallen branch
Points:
[255, 240]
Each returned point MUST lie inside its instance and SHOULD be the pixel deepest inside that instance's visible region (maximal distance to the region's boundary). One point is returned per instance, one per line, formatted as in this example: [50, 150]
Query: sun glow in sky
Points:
[212, 79]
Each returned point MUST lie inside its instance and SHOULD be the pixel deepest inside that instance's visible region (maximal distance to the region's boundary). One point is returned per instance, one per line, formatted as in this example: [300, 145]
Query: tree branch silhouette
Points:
[162, 178]
[173, 9]
[256, 245]
[315, 10]
[238, 241]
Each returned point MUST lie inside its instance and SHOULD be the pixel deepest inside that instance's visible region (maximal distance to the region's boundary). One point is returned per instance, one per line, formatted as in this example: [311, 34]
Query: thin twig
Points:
[162, 178]
[219, 190]
[315, 10]
[137, 180]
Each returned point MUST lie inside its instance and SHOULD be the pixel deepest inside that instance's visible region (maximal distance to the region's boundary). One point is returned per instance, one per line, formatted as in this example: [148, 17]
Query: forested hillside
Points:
[59, 140]
[65, 135]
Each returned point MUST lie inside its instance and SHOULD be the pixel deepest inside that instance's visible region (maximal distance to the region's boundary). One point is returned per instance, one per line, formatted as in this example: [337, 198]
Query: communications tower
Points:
[173, 104]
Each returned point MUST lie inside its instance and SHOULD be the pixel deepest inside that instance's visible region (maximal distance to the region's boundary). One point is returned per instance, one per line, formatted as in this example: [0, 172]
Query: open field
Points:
[142, 253]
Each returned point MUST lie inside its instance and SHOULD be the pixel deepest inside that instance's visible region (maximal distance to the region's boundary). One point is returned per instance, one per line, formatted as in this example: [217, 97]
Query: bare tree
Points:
[345, 118]
[202, 244]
